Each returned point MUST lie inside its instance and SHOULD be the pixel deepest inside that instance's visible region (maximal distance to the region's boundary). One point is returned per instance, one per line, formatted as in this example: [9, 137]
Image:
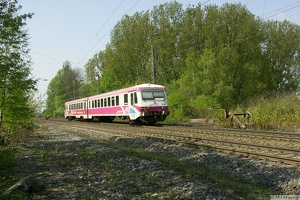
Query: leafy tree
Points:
[93, 70]
[15, 81]
[235, 37]
[63, 87]
[281, 51]
[207, 56]
[167, 21]
[130, 50]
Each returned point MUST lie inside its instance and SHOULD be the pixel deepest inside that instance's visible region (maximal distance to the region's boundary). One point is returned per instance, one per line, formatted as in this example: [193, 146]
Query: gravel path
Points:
[74, 166]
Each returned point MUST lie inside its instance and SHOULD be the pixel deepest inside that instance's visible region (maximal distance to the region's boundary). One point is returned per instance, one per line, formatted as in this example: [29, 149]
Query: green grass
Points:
[232, 185]
[280, 113]
[7, 175]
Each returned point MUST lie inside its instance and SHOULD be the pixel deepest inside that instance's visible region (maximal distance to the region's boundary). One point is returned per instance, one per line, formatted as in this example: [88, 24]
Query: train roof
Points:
[129, 89]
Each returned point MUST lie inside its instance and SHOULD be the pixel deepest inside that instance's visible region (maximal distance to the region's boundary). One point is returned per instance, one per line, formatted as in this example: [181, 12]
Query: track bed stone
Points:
[71, 165]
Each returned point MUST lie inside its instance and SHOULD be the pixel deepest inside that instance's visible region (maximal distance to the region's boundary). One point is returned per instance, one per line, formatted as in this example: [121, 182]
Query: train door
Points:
[132, 100]
[87, 107]
[85, 112]
[66, 110]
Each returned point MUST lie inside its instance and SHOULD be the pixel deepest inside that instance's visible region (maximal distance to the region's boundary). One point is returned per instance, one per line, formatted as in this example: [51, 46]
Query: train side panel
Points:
[145, 102]
[76, 109]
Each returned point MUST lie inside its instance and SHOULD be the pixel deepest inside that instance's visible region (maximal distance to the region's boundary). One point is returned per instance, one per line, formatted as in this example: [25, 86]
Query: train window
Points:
[135, 98]
[125, 99]
[153, 95]
[98, 103]
[108, 101]
[93, 104]
[105, 102]
[84, 105]
[112, 103]
[131, 98]
[101, 102]
[117, 100]
[89, 104]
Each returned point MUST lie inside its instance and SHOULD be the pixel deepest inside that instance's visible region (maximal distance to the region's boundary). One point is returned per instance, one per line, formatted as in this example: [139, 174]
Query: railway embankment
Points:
[70, 164]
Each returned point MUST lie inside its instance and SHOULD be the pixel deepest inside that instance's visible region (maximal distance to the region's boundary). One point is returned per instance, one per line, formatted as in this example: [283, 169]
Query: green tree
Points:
[207, 55]
[165, 36]
[63, 87]
[129, 49]
[93, 71]
[281, 49]
[236, 39]
[15, 73]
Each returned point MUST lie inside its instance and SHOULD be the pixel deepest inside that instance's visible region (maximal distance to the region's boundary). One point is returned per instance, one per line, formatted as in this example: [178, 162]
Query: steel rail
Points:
[194, 142]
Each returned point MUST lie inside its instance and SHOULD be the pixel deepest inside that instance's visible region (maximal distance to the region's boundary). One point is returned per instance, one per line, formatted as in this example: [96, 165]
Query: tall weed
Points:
[280, 112]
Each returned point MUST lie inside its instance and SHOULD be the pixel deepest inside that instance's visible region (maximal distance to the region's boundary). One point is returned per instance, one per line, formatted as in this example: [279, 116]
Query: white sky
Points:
[74, 30]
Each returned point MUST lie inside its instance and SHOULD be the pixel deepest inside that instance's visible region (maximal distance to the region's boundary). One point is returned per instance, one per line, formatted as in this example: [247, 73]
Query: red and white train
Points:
[145, 103]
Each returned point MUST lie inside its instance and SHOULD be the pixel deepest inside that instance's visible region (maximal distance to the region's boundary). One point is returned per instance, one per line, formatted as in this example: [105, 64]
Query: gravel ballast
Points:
[69, 165]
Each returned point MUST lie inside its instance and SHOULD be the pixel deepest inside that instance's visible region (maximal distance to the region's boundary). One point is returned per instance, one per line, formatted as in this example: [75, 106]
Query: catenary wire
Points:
[99, 40]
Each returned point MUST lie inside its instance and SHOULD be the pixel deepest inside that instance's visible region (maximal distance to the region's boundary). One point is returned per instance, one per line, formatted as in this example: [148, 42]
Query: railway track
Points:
[271, 146]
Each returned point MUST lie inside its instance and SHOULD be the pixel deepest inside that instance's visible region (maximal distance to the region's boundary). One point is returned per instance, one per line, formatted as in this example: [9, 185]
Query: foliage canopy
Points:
[207, 56]
[15, 81]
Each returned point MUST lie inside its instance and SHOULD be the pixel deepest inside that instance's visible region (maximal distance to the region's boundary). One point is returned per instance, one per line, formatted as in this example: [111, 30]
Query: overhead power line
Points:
[47, 56]
[283, 11]
[96, 35]
[99, 39]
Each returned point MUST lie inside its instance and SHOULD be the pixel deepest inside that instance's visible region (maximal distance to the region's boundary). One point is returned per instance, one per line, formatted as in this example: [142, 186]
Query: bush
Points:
[280, 112]
[178, 107]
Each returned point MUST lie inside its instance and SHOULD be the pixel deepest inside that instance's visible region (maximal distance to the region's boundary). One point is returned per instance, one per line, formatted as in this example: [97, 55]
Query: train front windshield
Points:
[153, 95]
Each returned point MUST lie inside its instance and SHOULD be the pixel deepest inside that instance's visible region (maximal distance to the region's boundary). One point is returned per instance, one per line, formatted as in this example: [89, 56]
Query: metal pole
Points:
[153, 64]
[98, 83]
[74, 90]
